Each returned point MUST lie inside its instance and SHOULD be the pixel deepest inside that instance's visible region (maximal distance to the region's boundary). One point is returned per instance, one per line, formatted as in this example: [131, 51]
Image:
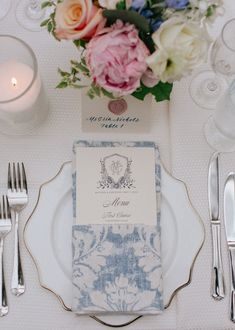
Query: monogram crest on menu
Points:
[116, 172]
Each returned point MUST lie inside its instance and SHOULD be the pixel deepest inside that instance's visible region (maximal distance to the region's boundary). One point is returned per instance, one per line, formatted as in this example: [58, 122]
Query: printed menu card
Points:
[116, 231]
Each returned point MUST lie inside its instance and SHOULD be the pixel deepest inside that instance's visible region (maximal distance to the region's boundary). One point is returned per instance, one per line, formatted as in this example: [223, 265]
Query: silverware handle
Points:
[232, 280]
[217, 268]
[17, 281]
[3, 295]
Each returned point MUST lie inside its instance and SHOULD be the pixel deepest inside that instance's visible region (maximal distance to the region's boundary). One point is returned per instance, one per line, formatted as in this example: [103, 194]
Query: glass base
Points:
[216, 139]
[30, 15]
[13, 124]
[5, 6]
[206, 89]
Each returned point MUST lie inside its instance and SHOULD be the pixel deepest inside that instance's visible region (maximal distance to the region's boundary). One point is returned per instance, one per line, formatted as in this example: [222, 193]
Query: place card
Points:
[127, 115]
[115, 185]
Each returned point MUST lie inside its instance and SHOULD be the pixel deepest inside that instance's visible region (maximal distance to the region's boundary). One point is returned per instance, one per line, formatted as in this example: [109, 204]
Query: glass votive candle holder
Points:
[23, 101]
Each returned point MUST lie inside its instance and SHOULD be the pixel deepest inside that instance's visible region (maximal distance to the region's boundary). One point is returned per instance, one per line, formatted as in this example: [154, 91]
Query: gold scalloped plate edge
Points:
[93, 316]
[24, 230]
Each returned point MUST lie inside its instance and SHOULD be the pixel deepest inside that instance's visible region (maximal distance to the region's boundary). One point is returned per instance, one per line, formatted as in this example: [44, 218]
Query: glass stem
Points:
[212, 86]
[34, 10]
[34, 5]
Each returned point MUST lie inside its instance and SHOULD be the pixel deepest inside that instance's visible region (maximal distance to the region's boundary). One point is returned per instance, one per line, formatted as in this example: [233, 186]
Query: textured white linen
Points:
[45, 150]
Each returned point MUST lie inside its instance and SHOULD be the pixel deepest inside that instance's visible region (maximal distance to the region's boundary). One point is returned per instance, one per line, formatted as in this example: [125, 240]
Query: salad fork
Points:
[17, 194]
[5, 228]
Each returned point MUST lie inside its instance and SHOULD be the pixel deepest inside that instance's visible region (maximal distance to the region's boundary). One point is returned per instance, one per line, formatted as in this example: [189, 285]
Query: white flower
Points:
[167, 65]
[180, 47]
[109, 4]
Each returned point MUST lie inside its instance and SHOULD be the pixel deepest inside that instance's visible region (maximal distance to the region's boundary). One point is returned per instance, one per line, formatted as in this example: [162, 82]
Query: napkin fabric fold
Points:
[117, 267]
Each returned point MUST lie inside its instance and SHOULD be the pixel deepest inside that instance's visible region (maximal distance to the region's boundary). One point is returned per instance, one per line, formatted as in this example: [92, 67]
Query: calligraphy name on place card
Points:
[127, 115]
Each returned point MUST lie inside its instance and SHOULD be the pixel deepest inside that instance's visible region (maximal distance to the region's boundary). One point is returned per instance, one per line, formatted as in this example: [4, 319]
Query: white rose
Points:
[180, 47]
[108, 4]
[166, 65]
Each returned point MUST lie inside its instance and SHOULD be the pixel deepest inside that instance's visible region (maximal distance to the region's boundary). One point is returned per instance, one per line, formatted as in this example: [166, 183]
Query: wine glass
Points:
[223, 51]
[5, 6]
[208, 86]
[30, 14]
[219, 128]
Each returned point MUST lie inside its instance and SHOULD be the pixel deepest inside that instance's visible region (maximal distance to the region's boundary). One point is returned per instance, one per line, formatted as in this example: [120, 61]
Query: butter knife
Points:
[214, 210]
[229, 219]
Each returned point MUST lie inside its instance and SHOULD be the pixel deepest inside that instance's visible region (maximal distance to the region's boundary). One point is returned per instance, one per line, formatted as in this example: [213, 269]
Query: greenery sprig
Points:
[72, 78]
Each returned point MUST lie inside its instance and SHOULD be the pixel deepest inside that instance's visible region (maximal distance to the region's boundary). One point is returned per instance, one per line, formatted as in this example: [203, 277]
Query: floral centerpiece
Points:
[132, 47]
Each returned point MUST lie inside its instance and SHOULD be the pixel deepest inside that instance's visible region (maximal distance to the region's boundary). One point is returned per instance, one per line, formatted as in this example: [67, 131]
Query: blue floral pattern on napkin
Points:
[117, 268]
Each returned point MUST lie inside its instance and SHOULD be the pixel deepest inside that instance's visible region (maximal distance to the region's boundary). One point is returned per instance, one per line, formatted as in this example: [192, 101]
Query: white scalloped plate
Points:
[47, 236]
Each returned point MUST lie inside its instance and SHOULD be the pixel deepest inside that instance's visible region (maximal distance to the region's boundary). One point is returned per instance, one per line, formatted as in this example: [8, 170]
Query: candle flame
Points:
[14, 82]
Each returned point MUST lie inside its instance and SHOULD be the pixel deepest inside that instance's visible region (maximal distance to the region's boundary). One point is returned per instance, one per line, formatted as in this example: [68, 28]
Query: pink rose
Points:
[77, 19]
[116, 58]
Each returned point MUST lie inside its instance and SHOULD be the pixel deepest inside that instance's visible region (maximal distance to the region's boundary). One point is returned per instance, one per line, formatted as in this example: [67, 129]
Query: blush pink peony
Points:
[116, 58]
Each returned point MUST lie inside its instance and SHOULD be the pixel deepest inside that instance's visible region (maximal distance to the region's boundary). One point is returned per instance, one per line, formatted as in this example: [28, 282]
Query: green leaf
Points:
[77, 86]
[45, 22]
[95, 89]
[210, 10]
[127, 16]
[108, 94]
[80, 67]
[74, 62]
[80, 43]
[83, 61]
[62, 84]
[161, 91]
[90, 94]
[52, 16]
[141, 92]
[63, 73]
[50, 27]
[47, 4]
[121, 5]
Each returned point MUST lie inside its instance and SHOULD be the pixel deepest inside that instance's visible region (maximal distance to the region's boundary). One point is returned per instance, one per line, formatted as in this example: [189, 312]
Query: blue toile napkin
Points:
[117, 267]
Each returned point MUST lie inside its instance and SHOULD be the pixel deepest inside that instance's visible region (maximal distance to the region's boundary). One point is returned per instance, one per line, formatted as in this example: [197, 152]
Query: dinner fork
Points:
[17, 194]
[5, 228]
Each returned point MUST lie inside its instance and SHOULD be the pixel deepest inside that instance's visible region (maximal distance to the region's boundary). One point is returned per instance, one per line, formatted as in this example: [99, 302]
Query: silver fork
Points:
[17, 194]
[5, 228]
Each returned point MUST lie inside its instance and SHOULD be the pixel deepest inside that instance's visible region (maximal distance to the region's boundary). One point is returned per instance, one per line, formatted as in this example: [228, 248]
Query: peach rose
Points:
[77, 19]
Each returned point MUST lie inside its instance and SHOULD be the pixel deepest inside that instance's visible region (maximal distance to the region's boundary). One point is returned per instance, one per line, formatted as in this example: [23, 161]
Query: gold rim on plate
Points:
[93, 316]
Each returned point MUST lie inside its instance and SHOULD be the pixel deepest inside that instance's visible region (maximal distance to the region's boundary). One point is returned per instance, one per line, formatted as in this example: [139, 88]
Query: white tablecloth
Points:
[178, 129]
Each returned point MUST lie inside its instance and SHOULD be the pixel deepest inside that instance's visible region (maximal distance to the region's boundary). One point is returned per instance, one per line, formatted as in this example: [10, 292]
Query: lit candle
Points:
[18, 92]
[23, 102]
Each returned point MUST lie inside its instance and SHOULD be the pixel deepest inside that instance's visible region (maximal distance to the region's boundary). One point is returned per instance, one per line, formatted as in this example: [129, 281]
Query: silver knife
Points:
[214, 209]
[229, 219]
